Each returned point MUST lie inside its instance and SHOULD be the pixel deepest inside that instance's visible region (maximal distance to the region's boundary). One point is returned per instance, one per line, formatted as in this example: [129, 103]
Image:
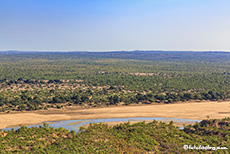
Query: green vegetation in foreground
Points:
[34, 81]
[123, 138]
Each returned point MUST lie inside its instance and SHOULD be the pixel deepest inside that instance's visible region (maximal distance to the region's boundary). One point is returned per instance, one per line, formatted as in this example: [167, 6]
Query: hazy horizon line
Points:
[112, 50]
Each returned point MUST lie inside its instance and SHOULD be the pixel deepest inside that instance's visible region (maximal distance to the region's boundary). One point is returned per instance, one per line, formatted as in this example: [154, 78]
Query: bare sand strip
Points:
[196, 111]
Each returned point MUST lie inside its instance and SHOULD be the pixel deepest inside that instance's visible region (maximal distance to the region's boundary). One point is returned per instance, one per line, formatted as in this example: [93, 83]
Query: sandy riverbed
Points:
[197, 111]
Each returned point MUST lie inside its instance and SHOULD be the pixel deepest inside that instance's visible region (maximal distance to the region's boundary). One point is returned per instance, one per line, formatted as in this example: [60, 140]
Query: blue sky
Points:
[107, 25]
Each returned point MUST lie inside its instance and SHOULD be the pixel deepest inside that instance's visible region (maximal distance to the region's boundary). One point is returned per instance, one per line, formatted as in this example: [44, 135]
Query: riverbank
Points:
[193, 110]
[177, 124]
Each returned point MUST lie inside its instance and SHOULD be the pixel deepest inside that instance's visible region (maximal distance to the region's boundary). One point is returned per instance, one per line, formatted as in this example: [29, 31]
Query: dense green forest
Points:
[43, 80]
[40, 80]
[152, 137]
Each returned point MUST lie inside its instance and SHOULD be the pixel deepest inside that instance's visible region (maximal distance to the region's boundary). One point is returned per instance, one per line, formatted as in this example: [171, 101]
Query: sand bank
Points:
[197, 111]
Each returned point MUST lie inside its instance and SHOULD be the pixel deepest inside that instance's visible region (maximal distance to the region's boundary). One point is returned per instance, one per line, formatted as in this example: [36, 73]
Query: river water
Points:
[75, 124]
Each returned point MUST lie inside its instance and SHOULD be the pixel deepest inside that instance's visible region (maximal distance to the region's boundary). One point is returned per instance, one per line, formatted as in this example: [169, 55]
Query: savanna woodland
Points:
[44, 80]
